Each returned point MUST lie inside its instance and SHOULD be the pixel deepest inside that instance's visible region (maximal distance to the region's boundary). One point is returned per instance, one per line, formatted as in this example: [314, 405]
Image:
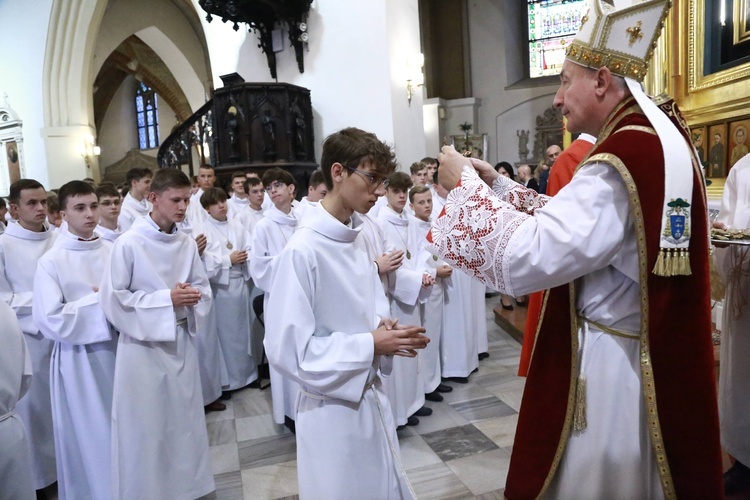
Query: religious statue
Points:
[233, 126]
[269, 135]
[299, 137]
[523, 144]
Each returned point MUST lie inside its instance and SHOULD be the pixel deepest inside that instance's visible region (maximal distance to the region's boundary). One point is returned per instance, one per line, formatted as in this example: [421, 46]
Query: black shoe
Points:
[458, 380]
[289, 424]
[423, 412]
[434, 396]
[521, 303]
[483, 355]
[255, 384]
[444, 388]
[215, 406]
[225, 395]
[507, 308]
[737, 479]
[412, 421]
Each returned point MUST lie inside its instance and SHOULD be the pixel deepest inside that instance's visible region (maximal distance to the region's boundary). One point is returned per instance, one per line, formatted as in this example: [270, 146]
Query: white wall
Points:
[494, 33]
[403, 43]
[23, 40]
[352, 68]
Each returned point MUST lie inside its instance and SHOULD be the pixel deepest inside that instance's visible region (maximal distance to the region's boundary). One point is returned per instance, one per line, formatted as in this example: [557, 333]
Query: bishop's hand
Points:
[486, 171]
[451, 165]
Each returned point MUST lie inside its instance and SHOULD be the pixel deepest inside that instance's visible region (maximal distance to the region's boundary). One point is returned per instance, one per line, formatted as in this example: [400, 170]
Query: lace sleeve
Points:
[521, 198]
[475, 231]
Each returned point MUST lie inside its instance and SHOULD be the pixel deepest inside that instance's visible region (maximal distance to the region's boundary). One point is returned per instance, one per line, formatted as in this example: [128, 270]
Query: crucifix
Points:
[635, 32]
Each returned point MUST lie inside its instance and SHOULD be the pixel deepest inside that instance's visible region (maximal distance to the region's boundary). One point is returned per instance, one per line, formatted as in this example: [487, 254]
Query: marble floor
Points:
[461, 451]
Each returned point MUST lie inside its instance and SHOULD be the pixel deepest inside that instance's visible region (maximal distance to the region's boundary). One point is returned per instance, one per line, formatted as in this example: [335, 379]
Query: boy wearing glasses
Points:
[331, 331]
[109, 212]
[408, 287]
[271, 234]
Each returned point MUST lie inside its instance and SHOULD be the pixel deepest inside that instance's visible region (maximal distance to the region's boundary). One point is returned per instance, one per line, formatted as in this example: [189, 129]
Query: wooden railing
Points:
[195, 132]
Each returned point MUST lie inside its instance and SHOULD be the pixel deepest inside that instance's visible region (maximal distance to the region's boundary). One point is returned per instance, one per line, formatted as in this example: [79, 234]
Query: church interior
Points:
[94, 88]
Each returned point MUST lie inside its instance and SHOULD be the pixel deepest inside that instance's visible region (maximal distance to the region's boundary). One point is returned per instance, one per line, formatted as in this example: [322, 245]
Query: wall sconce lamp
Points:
[415, 77]
[89, 150]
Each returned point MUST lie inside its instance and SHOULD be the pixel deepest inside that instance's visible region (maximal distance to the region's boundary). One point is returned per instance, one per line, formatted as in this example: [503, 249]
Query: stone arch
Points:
[68, 78]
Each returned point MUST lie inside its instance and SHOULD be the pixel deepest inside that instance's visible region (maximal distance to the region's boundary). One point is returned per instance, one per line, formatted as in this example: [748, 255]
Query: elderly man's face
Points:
[575, 97]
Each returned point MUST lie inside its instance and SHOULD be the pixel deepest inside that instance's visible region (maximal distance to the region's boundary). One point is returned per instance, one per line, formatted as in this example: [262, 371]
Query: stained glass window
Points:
[146, 114]
[552, 26]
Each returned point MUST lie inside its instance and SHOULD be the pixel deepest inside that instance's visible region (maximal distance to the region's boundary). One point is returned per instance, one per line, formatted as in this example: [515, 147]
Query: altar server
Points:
[25, 240]
[230, 291]
[330, 328]
[110, 204]
[239, 200]
[316, 191]
[431, 311]
[16, 475]
[66, 310]
[408, 287]
[269, 238]
[250, 216]
[136, 202]
[155, 292]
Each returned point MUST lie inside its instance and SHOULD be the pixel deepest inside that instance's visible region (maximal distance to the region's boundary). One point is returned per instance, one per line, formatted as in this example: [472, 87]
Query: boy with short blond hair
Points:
[431, 311]
[156, 293]
[346, 439]
[407, 286]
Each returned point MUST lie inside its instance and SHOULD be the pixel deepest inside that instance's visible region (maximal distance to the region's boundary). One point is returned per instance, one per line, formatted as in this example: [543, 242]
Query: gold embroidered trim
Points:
[622, 65]
[567, 426]
[647, 372]
[609, 330]
[539, 325]
[639, 128]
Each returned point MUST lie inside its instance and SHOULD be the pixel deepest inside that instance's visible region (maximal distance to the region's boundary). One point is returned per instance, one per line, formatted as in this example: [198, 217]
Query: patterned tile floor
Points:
[461, 451]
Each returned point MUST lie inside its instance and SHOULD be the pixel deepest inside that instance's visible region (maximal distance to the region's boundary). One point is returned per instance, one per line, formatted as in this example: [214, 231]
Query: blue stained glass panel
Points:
[151, 137]
[141, 121]
[150, 117]
[142, 139]
[139, 103]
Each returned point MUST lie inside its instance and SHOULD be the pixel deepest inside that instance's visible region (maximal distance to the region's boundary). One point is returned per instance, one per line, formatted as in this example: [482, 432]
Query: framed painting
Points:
[698, 135]
[475, 144]
[737, 139]
[741, 21]
[717, 150]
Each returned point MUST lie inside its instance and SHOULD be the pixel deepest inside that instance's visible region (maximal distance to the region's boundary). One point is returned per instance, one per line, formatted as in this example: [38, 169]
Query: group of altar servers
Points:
[136, 314]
